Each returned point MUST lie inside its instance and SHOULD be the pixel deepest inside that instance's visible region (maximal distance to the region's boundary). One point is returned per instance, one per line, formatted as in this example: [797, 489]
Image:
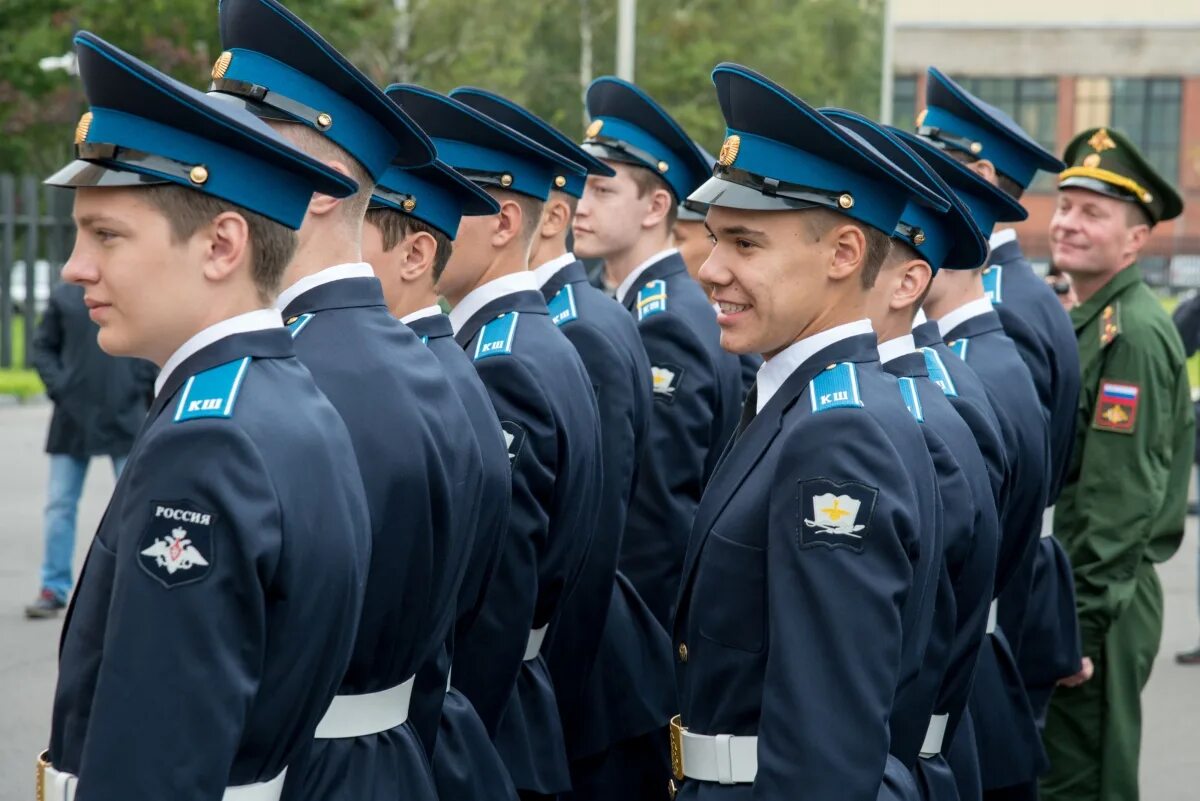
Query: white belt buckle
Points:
[934, 736]
[534, 646]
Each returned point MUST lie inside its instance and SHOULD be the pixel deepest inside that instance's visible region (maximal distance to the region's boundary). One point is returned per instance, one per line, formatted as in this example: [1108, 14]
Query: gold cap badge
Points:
[198, 174]
[846, 201]
[729, 150]
[222, 65]
[1101, 141]
[594, 129]
[1091, 160]
[81, 130]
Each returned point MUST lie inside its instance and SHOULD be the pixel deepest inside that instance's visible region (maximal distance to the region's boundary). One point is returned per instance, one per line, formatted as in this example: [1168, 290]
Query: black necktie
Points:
[749, 410]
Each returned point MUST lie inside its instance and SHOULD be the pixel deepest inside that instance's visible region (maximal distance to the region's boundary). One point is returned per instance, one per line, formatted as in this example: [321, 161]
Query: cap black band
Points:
[802, 196]
[264, 99]
[396, 201]
[605, 147]
[122, 157]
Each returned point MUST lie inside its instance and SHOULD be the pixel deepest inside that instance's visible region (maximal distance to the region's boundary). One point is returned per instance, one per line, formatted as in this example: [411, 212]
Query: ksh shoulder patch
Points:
[835, 387]
[496, 338]
[959, 346]
[562, 306]
[296, 324]
[177, 547]
[993, 283]
[666, 381]
[1110, 324]
[908, 391]
[836, 514]
[213, 392]
[938, 373]
[652, 299]
[1116, 406]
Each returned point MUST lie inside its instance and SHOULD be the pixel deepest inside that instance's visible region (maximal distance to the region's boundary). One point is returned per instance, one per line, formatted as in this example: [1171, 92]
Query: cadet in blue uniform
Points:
[627, 220]
[216, 610]
[806, 571]
[992, 145]
[408, 237]
[924, 243]
[609, 657]
[423, 478]
[547, 408]
[1010, 753]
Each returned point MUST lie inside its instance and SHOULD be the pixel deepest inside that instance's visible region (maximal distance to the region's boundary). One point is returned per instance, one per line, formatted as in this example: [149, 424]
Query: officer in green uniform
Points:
[1122, 509]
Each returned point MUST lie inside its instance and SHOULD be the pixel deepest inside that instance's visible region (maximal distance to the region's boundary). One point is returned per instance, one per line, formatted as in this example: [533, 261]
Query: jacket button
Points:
[682, 652]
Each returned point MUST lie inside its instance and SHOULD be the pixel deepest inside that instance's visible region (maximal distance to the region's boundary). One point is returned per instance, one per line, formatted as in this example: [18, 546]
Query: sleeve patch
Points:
[652, 299]
[938, 373]
[177, 547]
[908, 391]
[514, 439]
[296, 324]
[496, 338]
[666, 381]
[562, 306]
[959, 346]
[836, 514]
[835, 387]
[993, 283]
[213, 392]
[1116, 406]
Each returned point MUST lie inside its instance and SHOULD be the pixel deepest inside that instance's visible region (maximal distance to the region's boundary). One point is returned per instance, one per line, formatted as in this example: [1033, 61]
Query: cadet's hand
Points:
[1079, 678]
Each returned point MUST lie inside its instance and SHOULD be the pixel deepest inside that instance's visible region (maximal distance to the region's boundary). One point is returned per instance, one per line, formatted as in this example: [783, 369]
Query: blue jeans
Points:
[66, 485]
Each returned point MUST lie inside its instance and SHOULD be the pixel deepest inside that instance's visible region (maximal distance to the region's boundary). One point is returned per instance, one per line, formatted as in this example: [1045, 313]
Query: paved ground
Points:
[1170, 762]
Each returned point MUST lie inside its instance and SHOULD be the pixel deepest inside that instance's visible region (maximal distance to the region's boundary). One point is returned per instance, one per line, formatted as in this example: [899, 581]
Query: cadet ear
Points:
[661, 202]
[849, 251]
[508, 223]
[420, 251]
[322, 205]
[556, 217]
[984, 169]
[226, 242]
[915, 280]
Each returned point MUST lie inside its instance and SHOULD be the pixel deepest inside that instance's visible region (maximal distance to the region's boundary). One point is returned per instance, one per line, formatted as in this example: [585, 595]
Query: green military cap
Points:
[1105, 161]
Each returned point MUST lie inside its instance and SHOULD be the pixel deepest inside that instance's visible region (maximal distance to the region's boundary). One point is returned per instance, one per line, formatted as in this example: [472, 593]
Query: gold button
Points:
[663, 166]
[977, 148]
[560, 181]
[846, 201]
[291, 320]
[198, 174]
[682, 652]
[409, 204]
[506, 180]
[324, 121]
[918, 238]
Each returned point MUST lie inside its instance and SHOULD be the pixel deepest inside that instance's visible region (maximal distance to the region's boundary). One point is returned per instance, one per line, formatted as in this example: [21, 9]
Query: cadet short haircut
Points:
[395, 226]
[648, 181]
[187, 211]
[821, 221]
[320, 146]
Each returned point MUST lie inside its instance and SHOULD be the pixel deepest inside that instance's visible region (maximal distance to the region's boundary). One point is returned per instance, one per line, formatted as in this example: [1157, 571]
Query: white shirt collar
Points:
[974, 308]
[484, 294]
[625, 286]
[776, 370]
[919, 318]
[1002, 237]
[895, 348]
[328, 275]
[421, 314]
[257, 320]
[544, 273]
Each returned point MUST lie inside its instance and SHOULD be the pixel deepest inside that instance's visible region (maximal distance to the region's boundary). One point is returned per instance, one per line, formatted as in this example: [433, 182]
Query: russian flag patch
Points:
[1116, 406]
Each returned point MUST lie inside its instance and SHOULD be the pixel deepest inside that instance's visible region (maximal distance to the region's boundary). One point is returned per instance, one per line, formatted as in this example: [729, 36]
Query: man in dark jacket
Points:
[99, 403]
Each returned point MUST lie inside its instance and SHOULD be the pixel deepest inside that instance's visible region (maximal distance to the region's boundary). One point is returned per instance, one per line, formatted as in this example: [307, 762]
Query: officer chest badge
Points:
[836, 514]
[177, 547]
[666, 381]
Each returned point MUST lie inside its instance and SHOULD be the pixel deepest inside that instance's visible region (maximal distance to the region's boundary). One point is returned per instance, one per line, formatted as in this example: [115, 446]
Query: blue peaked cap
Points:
[988, 204]
[487, 152]
[434, 194]
[526, 122]
[282, 69]
[689, 210]
[946, 240]
[957, 120]
[781, 154]
[147, 128]
[629, 127]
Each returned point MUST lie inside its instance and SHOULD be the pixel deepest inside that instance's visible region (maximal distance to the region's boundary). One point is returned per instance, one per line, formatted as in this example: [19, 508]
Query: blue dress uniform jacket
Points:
[609, 657]
[216, 611]
[547, 408]
[971, 536]
[421, 470]
[697, 399]
[1042, 331]
[1010, 751]
[465, 762]
[793, 612]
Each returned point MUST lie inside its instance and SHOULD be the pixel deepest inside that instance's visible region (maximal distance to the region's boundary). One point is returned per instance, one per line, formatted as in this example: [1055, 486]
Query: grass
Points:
[19, 381]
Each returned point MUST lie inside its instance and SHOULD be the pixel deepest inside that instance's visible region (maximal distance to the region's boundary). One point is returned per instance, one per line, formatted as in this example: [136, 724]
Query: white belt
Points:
[55, 785]
[534, 646]
[991, 624]
[721, 758]
[369, 713]
[934, 735]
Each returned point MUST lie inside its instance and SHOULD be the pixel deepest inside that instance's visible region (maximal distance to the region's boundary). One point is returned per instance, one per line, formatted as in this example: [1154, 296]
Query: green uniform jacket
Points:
[1126, 493]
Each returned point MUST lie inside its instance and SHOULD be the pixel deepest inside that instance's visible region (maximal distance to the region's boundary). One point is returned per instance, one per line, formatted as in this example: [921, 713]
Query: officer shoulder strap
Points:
[835, 387]
[496, 338]
[652, 299]
[562, 306]
[213, 392]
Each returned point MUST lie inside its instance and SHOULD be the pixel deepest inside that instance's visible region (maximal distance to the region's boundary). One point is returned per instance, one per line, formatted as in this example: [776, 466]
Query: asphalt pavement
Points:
[28, 649]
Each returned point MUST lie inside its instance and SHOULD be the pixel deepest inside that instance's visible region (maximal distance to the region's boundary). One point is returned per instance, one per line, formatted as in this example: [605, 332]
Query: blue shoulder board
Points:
[652, 299]
[959, 346]
[562, 306]
[908, 391]
[993, 283]
[938, 373]
[296, 324]
[496, 338]
[213, 392]
[835, 387]
[424, 340]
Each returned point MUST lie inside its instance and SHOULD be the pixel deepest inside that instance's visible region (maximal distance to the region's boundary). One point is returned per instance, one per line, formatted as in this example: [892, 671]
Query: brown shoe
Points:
[1191, 657]
[47, 605]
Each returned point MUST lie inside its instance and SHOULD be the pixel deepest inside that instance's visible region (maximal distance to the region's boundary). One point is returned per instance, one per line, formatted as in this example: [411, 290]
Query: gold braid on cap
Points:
[1108, 177]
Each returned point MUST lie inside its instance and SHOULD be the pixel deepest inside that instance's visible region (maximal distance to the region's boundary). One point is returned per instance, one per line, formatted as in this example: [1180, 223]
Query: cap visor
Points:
[727, 194]
[88, 173]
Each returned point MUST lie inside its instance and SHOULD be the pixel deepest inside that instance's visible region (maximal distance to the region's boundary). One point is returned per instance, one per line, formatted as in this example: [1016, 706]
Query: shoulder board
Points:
[562, 306]
[993, 283]
[1110, 324]
[213, 392]
[296, 324]
[835, 387]
[652, 299]
[908, 391]
[938, 373]
[424, 340]
[496, 338]
[959, 346]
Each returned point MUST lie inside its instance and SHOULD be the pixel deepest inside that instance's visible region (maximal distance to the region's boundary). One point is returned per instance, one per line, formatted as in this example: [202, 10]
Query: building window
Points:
[1032, 102]
[1145, 109]
[904, 102]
